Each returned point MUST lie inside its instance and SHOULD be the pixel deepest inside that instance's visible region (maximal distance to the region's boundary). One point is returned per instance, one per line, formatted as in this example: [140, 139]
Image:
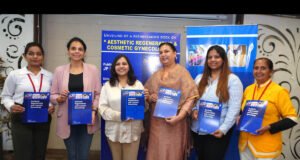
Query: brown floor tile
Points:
[55, 154]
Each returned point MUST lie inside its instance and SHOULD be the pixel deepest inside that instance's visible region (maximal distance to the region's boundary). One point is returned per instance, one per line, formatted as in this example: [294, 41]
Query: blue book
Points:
[36, 107]
[167, 102]
[209, 116]
[252, 116]
[80, 108]
[132, 104]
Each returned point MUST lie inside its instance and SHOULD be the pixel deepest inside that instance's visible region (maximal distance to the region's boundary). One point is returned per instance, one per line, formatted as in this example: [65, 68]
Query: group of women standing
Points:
[30, 139]
[168, 138]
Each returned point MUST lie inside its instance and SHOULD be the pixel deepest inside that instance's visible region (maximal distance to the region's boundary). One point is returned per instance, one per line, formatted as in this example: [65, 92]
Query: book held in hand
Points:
[209, 116]
[132, 104]
[167, 102]
[80, 108]
[36, 107]
[252, 116]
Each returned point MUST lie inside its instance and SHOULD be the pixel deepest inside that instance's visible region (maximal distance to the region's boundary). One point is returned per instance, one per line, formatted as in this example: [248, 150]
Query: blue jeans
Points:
[79, 143]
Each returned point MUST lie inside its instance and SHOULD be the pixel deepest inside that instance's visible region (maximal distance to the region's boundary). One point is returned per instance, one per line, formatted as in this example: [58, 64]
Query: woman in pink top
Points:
[75, 77]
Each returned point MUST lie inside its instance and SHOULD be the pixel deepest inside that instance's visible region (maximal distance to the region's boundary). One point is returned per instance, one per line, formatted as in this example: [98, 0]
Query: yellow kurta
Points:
[279, 106]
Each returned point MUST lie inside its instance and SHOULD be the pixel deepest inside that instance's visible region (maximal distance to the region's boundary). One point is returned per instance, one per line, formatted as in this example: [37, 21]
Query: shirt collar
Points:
[210, 80]
[264, 84]
[24, 70]
[119, 85]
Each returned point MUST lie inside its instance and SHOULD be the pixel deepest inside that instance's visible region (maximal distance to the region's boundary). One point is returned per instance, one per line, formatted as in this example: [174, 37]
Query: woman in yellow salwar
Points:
[279, 115]
[169, 137]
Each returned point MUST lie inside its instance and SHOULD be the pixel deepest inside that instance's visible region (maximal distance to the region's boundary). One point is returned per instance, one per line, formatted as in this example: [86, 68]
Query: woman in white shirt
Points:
[29, 139]
[123, 136]
[218, 85]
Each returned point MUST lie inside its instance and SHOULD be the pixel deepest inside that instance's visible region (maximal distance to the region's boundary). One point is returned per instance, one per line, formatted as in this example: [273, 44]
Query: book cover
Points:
[80, 108]
[252, 116]
[167, 102]
[36, 107]
[132, 104]
[209, 116]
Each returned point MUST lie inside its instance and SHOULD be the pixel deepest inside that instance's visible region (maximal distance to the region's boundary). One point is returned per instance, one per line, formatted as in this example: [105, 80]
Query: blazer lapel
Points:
[66, 76]
[85, 78]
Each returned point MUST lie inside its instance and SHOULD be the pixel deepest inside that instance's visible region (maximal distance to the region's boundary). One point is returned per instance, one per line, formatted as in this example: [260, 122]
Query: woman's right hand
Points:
[62, 97]
[237, 120]
[195, 114]
[17, 109]
[147, 95]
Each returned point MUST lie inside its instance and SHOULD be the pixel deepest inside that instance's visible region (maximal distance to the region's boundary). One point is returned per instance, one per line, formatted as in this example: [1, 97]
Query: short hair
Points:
[171, 45]
[267, 60]
[76, 39]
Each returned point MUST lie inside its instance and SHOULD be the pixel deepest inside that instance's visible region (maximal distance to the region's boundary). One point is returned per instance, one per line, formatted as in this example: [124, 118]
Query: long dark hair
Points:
[114, 75]
[222, 88]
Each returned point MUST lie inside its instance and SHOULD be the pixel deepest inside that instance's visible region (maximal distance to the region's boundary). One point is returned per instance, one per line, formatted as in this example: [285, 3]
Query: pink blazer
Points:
[91, 81]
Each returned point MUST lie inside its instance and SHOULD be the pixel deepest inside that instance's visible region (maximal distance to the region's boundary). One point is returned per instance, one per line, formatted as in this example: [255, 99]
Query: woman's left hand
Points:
[129, 120]
[218, 134]
[93, 117]
[172, 120]
[262, 130]
[51, 109]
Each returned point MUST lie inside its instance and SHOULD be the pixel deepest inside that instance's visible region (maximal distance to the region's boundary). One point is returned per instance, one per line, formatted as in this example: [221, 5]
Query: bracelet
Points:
[95, 110]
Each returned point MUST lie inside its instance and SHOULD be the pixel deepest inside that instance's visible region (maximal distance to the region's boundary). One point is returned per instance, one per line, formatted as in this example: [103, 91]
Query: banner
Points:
[141, 48]
[239, 41]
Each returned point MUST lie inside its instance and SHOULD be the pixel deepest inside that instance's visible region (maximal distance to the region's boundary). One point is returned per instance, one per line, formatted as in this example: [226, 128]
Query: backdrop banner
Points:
[239, 41]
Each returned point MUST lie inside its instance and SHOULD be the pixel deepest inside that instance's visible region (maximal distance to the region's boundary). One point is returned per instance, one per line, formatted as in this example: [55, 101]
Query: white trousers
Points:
[124, 151]
[247, 155]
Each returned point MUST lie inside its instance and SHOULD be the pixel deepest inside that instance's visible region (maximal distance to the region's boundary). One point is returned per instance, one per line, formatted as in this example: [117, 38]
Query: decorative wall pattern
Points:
[279, 40]
[15, 32]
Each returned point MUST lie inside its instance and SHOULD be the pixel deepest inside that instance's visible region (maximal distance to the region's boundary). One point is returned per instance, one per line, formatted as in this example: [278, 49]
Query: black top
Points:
[76, 82]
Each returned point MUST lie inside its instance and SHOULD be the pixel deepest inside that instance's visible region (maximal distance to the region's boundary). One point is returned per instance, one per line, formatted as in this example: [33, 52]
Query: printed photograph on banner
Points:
[236, 54]
[197, 53]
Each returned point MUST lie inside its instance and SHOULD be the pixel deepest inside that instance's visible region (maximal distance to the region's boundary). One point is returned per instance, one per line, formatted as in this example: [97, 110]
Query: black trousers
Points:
[29, 140]
[1, 148]
[210, 148]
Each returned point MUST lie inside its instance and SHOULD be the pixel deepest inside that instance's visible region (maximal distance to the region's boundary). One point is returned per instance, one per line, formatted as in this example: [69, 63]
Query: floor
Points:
[55, 154]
